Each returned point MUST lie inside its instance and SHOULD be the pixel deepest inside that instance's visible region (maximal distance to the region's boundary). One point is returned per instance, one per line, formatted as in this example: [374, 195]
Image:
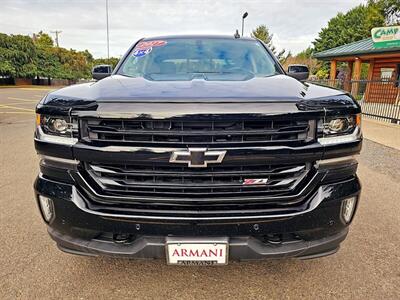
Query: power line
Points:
[56, 32]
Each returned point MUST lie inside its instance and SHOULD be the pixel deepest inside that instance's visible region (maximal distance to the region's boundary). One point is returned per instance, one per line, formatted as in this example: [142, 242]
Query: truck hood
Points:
[117, 88]
[145, 98]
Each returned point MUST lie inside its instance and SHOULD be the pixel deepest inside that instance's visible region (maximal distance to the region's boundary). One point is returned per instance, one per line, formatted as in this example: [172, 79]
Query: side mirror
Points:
[101, 71]
[299, 72]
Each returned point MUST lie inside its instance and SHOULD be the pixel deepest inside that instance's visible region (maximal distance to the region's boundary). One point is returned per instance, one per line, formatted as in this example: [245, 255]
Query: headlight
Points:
[340, 125]
[339, 129]
[57, 129]
[58, 125]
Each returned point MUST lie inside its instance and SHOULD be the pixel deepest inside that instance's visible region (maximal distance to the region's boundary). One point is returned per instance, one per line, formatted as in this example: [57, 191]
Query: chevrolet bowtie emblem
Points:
[197, 157]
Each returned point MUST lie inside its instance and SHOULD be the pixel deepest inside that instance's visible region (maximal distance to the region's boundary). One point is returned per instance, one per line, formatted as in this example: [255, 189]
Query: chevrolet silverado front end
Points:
[198, 149]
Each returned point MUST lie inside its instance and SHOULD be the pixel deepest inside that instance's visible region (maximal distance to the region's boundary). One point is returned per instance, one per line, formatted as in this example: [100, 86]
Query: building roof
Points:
[365, 46]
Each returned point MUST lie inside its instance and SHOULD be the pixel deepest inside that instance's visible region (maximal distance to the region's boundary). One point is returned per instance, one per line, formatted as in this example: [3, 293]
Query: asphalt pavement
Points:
[31, 267]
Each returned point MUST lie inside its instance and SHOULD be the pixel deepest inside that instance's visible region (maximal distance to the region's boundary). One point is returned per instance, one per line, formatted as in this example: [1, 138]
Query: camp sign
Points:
[385, 37]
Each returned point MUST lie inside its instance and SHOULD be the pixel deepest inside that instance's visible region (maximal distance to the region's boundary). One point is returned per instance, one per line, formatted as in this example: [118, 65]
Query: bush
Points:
[322, 74]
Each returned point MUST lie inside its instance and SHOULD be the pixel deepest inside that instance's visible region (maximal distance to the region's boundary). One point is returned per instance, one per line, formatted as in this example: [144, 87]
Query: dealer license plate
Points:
[198, 252]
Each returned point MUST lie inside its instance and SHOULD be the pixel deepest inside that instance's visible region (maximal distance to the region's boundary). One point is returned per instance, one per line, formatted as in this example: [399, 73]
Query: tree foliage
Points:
[74, 64]
[262, 33]
[390, 9]
[47, 61]
[352, 26]
[113, 61]
[17, 56]
[355, 25]
[306, 53]
[42, 40]
[304, 58]
[23, 56]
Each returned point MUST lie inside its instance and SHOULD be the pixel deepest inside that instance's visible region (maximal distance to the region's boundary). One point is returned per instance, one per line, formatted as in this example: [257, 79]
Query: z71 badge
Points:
[252, 181]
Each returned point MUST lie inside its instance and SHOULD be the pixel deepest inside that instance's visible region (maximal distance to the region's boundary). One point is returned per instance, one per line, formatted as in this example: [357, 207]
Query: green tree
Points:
[262, 33]
[42, 40]
[17, 56]
[352, 26]
[88, 56]
[303, 58]
[390, 9]
[73, 64]
[6, 66]
[23, 56]
[113, 61]
[306, 53]
[47, 62]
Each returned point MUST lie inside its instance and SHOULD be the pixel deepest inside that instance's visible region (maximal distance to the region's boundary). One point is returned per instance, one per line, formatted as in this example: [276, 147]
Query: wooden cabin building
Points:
[382, 82]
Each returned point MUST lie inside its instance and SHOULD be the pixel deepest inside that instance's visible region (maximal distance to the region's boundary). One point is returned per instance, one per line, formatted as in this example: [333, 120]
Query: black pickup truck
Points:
[198, 150]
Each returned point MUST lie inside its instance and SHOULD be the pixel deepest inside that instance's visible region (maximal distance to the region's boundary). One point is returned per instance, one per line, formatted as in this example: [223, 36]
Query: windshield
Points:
[208, 59]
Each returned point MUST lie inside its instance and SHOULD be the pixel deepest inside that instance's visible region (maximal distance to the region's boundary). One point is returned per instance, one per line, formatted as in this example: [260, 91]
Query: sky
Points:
[294, 23]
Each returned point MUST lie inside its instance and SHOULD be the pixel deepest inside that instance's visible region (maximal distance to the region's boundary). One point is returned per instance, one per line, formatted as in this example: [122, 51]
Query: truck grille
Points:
[153, 186]
[217, 183]
[201, 132]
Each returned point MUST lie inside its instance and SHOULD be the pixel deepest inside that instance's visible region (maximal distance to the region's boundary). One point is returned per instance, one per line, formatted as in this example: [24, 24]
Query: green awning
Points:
[362, 47]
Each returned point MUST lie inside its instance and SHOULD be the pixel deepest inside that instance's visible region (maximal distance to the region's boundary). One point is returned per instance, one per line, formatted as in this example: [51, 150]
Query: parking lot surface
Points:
[366, 267]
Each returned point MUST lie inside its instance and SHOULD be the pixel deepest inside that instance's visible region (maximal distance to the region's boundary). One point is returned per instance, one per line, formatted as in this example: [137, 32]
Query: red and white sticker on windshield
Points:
[150, 44]
[141, 52]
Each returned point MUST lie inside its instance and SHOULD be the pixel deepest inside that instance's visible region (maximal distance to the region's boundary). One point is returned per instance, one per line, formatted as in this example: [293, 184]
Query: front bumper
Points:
[240, 248]
[317, 231]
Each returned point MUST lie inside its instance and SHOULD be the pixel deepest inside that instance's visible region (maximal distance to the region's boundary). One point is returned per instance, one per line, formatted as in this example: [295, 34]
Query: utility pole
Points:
[56, 32]
[108, 36]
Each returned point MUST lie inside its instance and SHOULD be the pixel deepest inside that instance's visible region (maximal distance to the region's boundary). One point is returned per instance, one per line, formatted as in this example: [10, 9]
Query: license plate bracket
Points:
[197, 251]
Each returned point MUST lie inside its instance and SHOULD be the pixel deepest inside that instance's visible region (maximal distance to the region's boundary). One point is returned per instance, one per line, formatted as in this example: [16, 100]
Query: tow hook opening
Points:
[123, 238]
[278, 239]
